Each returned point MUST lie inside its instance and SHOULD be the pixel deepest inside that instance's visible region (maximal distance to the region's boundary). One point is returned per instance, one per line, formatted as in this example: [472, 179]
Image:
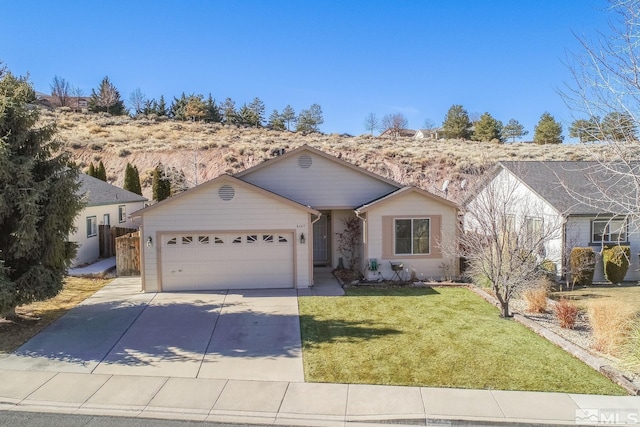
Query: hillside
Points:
[207, 150]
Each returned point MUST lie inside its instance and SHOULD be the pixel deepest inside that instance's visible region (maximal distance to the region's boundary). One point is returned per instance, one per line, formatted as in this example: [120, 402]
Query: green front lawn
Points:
[442, 337]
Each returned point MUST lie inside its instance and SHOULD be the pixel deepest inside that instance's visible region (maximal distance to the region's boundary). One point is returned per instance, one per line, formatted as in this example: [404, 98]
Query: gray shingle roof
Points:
[100, 193]
[578, 188]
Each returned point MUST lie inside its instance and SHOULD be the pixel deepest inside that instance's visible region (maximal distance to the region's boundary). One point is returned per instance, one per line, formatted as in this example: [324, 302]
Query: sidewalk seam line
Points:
[213, 330]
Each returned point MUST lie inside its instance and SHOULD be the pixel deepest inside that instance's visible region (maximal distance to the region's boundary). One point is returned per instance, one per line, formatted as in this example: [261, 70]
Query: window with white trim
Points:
[411, 236]
[122, 213]
[92, 226]
[609, 231]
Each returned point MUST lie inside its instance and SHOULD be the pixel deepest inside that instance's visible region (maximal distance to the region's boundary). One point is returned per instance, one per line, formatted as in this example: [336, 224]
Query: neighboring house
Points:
[106, 205]
[571, 193]
[268, 226]
[404, 133]
[79, 104]
[433, 134]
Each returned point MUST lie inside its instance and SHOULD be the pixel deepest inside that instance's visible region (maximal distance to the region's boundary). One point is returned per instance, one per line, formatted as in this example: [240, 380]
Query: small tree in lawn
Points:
[504, 239]
[349, 243]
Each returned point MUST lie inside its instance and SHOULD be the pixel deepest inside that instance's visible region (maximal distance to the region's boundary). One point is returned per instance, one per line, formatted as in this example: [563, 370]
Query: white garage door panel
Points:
[238, 261]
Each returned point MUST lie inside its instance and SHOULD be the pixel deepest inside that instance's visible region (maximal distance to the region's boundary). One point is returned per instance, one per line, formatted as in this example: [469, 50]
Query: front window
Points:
[609, 231]
[92, 226]
[412, 236]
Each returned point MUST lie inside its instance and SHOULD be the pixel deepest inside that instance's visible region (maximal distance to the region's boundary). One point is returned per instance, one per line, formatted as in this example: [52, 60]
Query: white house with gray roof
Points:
[106, 205]
[573, 192]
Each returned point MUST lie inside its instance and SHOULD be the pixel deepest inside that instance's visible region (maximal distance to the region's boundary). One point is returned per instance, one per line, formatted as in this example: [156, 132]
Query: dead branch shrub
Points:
[566, 312]
[611, 323]
[536, 296]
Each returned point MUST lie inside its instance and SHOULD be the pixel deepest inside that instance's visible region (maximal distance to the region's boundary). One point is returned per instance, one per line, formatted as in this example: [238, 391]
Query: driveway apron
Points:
[226, 335]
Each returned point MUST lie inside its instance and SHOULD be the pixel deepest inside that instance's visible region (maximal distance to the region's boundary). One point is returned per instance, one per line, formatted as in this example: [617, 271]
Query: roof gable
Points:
[98, 192]
[401, 192]
[215, 182]
[315, 178]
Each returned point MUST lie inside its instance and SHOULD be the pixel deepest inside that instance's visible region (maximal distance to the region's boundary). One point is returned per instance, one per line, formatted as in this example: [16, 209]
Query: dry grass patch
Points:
[611, 323]
[536, 297]
[33, 318]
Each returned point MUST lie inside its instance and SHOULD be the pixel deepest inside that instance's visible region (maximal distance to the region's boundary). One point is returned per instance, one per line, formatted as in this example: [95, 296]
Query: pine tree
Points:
[275, 121]
[310, 120]
[289, 116]
[132, 179]
[228, 110]
[101, 172]
[161, 184]
[488, 129]
[547, 131]
[456, 123]
[38, 202]
[513, 129]
[246, 116]
[176, 111]
[213, 112]
[106, 99]
[92, 170]
[257, 108]
[161, 108]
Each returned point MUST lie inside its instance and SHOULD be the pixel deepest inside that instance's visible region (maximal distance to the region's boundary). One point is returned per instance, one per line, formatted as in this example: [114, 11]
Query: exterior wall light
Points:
[302, 238]
[149, 242]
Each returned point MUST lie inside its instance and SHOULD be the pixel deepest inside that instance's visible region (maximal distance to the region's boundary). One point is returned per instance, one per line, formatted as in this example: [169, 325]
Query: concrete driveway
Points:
[226, 335]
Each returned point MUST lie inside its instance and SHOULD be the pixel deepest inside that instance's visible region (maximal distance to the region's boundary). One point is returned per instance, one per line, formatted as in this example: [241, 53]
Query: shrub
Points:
[611, 323]
[549, 268]
[536, 298]
[566, 312]
[616, 263]
[583, 265]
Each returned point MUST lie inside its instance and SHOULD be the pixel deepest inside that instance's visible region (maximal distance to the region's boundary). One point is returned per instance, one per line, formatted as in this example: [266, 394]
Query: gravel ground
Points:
[580, 335]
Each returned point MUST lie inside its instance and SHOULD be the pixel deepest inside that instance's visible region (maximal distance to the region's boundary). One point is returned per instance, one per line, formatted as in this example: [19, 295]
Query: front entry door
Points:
[321, 235]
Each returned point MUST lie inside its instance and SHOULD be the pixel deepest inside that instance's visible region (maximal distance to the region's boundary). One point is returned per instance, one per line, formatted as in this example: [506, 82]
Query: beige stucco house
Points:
[268, 226]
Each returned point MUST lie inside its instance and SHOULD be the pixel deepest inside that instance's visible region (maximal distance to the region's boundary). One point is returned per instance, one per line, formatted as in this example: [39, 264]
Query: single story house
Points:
[106, 205]
[571, 193]
[433, 134]
[268, 226]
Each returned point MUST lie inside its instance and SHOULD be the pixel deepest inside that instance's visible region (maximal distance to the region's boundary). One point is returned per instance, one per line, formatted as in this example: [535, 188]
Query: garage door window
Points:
[237, 240]
[187, 240]
[267, 238]
[203, 240]
[282, 239]
[218, 241]
[252, 238]
[172, 241]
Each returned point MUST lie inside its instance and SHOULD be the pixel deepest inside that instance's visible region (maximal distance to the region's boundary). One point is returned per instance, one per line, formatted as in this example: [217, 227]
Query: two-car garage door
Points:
[209, 261]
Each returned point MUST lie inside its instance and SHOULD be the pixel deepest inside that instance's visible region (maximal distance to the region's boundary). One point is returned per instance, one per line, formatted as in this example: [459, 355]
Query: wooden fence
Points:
[128, 254]
[107, 239]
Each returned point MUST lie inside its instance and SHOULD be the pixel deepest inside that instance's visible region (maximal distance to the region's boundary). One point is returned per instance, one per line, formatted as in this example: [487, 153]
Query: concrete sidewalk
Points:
[297, 403]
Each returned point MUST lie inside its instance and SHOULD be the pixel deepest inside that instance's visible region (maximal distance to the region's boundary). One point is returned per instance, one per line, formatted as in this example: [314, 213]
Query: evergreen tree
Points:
[228, 110]
[456, 123]
[132, 179]
[176, 111]
[513, 129]
[161, 108]
[488, 129]
[586, 130]
[101, 172]
[547, 131]
[310, 120]
[275, 121]
[246, 116]
[161, 186]
[619, 127]
[213, 112]
[195, 108]
[257, 108]
[92, 170]
[289, 116]
[38, 202]
[106, 99]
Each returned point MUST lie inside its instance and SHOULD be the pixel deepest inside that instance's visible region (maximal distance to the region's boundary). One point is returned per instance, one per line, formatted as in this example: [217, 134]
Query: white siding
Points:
[203, 210]
[88, 247]
[579, 235]
[409, 205]
[325, 184]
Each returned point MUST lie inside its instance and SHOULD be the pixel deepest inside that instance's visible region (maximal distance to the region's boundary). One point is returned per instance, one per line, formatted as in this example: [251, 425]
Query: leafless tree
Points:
[60, 89]
[136, 101]
[371, 122]
[505, 237]
[394, 123]
[429, 125]
[606, 80]
[77, 93]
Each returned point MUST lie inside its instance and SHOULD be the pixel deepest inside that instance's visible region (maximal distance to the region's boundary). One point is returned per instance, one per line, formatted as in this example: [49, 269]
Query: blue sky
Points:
[351, 57]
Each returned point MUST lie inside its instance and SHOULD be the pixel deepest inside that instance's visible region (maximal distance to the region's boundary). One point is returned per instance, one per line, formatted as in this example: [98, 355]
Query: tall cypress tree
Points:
[161, 184]
[92, 170]
[132, 179]
[38, 202]
[101, 172]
